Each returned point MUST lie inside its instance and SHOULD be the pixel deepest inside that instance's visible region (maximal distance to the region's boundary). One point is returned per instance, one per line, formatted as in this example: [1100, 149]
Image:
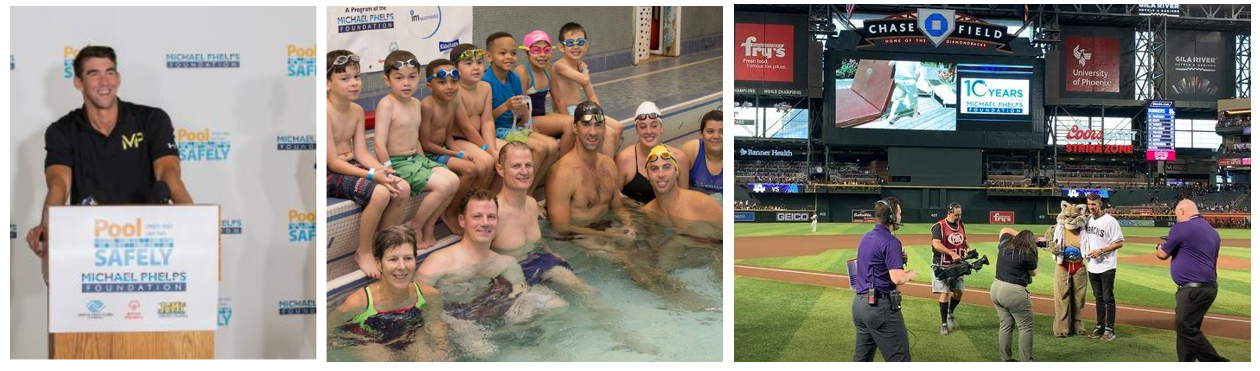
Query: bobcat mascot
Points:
[1070, 277]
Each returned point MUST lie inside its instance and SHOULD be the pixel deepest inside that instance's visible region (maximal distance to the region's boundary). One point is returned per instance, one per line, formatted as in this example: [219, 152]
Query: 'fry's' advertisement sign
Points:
[765, 52]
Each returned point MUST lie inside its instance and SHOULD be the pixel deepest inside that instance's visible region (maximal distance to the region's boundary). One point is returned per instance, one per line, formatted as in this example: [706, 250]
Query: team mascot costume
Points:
[1070, 277]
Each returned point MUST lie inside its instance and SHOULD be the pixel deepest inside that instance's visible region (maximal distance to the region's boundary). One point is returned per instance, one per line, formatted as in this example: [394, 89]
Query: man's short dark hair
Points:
[433, 66]
[93, 51]
[477, 194]
[887, 209]
[952, 206]
[713, 115]
[496, 36]
[569, 27]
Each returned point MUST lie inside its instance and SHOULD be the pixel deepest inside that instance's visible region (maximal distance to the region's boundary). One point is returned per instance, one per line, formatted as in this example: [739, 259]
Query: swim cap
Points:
[646, 108]
[659, 152]
[586, 108]
[536, 36]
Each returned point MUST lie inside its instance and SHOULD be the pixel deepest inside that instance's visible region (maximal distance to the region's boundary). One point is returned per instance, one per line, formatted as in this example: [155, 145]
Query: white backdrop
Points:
[429, 32]
[247, 136]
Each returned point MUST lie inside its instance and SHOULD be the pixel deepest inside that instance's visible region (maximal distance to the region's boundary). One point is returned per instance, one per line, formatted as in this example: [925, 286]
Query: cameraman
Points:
[876, 307]
[949, 245]
[1016, 264]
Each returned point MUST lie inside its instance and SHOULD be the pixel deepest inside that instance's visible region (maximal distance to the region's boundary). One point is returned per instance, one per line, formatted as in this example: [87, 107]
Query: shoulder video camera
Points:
[969, 264]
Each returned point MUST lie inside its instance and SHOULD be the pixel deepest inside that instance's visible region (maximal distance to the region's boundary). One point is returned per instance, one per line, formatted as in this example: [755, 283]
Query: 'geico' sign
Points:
[1001, 217]
[791, 217]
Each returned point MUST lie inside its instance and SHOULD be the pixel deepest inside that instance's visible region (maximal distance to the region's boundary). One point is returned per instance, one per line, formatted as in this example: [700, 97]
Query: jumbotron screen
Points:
[941, 96]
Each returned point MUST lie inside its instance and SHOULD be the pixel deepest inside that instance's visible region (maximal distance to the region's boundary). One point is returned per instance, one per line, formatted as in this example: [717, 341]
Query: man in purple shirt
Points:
[1193, 246]
[879, 269]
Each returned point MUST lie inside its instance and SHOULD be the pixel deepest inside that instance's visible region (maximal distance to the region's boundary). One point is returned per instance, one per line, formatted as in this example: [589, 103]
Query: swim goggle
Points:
[346, 58]
[442, 74]
[571, 42]
[588, 118]
[645, 116]
[537, 49]
[398, 65]
[660, 152]
[471, 54]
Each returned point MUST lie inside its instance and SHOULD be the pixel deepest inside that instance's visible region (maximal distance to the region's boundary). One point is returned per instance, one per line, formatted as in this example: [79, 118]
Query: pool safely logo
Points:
[203, 145]
[301, 226]
[301, 61]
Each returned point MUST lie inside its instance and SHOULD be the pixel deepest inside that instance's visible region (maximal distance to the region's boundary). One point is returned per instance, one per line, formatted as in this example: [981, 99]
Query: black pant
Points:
[879, 326]
[1192, 304]
[1103, 285]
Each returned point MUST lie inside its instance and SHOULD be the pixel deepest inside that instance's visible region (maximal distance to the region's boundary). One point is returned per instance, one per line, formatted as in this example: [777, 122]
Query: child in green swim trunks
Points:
[398, 145]
[392, 309]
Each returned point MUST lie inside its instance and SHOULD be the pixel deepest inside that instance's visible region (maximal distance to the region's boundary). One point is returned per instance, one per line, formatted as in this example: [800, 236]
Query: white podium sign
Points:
[133, 268]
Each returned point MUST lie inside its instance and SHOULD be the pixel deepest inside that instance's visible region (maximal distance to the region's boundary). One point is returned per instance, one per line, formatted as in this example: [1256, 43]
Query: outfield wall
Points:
[919, 205]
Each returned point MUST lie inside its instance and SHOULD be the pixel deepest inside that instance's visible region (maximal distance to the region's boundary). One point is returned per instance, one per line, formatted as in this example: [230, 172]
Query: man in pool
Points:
[476, 283]
[518, 213]
[694, 217]
[389, 311]
[582, 185]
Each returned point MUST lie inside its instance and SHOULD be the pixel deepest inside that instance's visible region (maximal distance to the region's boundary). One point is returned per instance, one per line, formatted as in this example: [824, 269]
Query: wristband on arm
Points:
[485, 146]
[370, 171]
[461, 155]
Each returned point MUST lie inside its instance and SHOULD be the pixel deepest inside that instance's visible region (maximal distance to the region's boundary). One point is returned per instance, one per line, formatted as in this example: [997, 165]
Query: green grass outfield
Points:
[777, 321]
[802, 229]
[1143, 285]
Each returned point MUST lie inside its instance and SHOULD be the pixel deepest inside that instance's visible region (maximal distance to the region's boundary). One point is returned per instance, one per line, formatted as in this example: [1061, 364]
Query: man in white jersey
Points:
[1099, 243]
[813, 223]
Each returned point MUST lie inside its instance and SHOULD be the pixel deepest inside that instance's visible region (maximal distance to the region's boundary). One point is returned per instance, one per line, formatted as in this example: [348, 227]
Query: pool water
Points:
[664, 329]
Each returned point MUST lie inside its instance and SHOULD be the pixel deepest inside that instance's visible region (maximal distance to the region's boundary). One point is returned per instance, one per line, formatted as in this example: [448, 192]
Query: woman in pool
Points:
[389, 311]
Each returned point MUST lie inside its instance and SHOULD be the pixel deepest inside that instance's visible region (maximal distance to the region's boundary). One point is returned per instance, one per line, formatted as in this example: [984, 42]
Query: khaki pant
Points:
[1069, 300]
[1014, 309]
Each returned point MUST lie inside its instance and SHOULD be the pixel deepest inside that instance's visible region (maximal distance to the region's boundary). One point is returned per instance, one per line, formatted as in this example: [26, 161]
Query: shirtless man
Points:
[518, 218]
[572, 80]
[398, 145]
[630, 165]
[441, 117]
[694, 217]
[475, 282]
[582, 186]
[382, 195]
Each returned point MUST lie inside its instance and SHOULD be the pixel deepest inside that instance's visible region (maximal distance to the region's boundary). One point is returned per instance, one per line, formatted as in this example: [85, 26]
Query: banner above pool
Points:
[133, 268]
[429, 32]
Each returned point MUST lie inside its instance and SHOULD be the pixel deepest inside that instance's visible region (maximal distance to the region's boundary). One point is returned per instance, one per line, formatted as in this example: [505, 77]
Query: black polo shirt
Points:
[112, 169]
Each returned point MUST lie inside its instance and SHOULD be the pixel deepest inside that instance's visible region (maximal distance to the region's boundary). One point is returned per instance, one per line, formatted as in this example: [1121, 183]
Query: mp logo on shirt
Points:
[301, 61]
[301, 226]
[203, 145]
[132, 140]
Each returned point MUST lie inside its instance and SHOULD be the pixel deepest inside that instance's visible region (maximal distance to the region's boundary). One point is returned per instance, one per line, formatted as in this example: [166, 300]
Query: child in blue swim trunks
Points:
[441, 117]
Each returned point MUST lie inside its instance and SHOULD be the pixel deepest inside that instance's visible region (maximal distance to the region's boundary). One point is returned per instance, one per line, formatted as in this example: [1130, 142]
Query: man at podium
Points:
[108, 151]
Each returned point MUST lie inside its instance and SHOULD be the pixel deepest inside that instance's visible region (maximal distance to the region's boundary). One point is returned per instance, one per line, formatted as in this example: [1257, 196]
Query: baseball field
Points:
[792, 298]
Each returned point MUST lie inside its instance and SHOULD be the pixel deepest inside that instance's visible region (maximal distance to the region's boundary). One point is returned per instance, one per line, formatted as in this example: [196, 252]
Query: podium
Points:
[133, 282]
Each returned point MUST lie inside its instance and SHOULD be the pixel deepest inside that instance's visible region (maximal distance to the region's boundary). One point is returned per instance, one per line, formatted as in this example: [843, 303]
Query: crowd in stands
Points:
[754, 205]
[1234, 122]
[1026, 183]
[1235, 150]
[851, 173]
[761, 171]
